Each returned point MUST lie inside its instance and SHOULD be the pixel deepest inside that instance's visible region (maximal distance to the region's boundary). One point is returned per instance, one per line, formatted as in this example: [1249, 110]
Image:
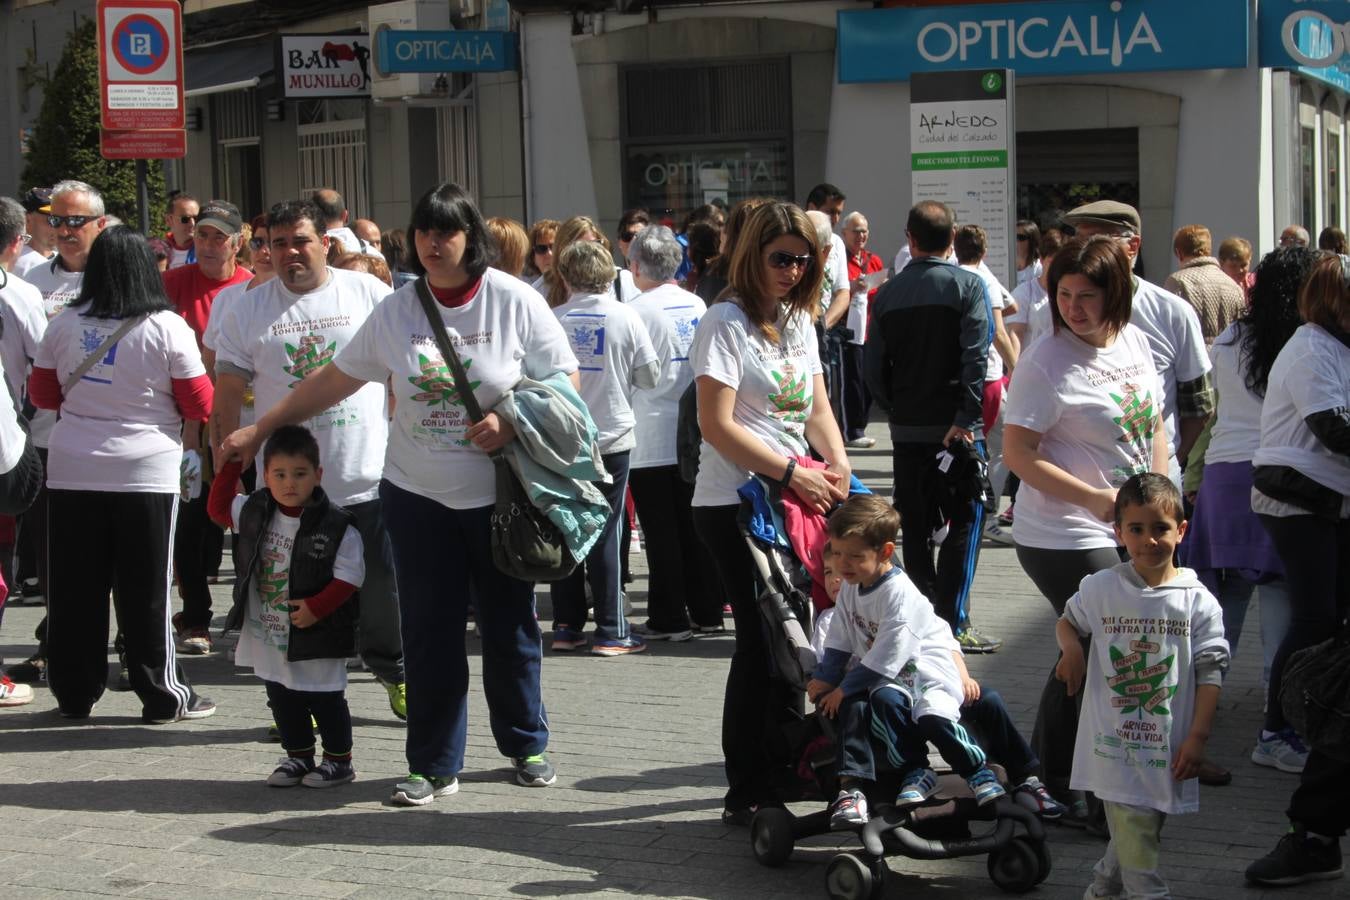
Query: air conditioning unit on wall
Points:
[406, 15]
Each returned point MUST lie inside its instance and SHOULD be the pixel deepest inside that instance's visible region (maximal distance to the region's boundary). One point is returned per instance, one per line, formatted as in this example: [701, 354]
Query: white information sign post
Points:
[962, 152]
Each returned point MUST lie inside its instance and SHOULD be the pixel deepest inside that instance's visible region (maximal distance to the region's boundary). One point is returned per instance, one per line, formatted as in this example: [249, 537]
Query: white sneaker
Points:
[1284, 751]
[12, 694]
[999, 534]
[861, 443]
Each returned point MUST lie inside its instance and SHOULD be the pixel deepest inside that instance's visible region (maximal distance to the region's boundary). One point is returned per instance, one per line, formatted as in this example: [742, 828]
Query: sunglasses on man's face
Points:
[69, 221]
[543, 248]
[783, 260]
[627, 237]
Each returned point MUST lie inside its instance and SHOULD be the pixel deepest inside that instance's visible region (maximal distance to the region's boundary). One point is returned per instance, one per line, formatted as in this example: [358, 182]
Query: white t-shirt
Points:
[671, 315]
[278, 338]
[220, 312]
[181, 256]
[12, 440]
[836, 273]
[353, 244]
[1033, 311]
[1096, 411]
[24, 324]
[997, 300]
[774, 384]
[891, 628]
[1237, 432]
[29, 259]
[1311, 375]
[1173, 331]
[120, 425]
[266, 630]
[611, 346]
[58, 288]
[1030, 273]
[505, 331]
[1139, 693]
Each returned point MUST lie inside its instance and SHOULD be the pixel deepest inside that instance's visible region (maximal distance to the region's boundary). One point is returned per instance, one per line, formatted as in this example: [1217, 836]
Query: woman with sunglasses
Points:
[541, 258]
[582, 228]
[114, 460]
[762, 407]
[1029, 265]
[1301, 479]
[630, 223]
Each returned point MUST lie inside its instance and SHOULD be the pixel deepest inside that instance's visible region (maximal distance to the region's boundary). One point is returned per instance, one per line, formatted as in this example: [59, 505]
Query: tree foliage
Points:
[64, 143]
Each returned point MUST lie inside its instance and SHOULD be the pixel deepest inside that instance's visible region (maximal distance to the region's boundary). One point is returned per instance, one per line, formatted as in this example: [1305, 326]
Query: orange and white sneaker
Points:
[12, 694]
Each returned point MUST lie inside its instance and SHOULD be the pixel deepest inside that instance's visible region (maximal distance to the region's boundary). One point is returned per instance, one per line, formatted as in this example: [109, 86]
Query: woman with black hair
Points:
[1029, 265]
[124, 371]
[1225, 544]
[438, 488]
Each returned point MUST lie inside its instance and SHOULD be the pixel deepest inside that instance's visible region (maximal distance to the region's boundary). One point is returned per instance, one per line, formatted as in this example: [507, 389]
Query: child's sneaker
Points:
[917, 787]
[291, 771]
[534, 771]
[848, 811]
[419, 790]
[330, 773]
[1283, 750]
[1032, 794]
[567, 639]
[985, 785]
[12, 694]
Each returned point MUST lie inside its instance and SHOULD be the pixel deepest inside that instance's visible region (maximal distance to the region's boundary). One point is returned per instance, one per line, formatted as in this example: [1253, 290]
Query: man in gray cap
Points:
[1172, 328]
[41, 246]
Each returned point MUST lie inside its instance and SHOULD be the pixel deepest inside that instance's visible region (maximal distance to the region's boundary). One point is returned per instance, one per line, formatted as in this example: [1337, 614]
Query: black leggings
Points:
[753, 698]
[1316, 557]
[1056, 574]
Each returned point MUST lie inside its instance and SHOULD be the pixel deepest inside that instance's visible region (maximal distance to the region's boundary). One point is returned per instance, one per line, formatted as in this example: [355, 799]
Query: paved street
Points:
[115, 807]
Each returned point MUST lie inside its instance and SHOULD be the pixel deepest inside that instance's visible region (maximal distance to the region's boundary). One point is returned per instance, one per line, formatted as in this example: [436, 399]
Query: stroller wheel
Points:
[1042, 851]
[1015, 867]
[771, 836]
[851, 877]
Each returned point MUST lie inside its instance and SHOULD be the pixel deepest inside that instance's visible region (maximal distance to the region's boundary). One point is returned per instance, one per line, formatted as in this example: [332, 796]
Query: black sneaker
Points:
[290, 771]
[535, 771]
[1297, 858]
[32, 670]
[199, 708]
[419, 790]
[330, 773]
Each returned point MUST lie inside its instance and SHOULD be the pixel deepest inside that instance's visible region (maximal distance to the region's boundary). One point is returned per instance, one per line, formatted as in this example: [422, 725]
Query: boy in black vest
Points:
[298, 566]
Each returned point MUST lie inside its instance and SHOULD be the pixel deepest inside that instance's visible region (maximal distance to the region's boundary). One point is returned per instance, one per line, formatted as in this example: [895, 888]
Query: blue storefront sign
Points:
[445, 51]
[1306, 36]
[1069, 37]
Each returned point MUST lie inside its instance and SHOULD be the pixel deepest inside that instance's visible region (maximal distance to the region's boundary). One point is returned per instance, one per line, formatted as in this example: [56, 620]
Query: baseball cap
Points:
[37, 200]
[221, 214]
[1105, 212]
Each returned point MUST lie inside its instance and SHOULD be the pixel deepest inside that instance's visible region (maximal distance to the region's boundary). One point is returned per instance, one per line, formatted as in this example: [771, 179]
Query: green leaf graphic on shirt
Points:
[1137, 419]
[272, 585]
[791, 401]
[437, 383]
[1138, 683]
[309, 357]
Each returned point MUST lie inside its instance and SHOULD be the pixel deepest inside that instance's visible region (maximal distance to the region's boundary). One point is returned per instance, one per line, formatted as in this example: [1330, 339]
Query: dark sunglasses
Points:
[187, 220]
[627, 236]
[69, 221]
[1023, 237]
[257, 243]
[543, 248]
[782, 260]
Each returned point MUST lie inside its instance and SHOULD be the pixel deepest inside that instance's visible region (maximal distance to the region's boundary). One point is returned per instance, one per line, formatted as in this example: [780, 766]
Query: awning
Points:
[228, 67]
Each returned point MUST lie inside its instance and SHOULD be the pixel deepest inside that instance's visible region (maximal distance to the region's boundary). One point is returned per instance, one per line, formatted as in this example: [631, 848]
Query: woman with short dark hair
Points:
[114, 460]
[439, 488]
[1084, 413]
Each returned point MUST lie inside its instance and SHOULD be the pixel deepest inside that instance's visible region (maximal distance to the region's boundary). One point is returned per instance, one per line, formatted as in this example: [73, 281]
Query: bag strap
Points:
[100, 352]
[433, 313]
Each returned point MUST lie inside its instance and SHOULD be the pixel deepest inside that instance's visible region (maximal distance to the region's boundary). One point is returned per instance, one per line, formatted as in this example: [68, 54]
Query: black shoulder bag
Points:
[525, 544]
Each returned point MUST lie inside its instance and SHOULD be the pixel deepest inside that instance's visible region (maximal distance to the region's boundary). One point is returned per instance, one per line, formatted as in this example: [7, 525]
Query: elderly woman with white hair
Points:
[684, 595]
[615, 356]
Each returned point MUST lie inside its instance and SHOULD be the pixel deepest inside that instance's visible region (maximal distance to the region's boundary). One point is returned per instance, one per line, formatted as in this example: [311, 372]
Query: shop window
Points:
[1307, 152]
[331, 135]
[701, 132]
[1058, 170]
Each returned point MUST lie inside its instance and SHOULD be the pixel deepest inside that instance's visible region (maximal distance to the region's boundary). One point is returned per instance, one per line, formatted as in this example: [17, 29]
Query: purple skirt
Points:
[1224, 532]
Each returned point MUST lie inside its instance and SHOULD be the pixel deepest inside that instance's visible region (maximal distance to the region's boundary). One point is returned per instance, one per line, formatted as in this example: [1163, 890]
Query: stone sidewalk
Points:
[113, 807]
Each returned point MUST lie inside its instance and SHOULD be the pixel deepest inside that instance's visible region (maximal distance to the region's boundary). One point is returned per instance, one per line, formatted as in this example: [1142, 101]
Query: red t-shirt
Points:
[192, 293]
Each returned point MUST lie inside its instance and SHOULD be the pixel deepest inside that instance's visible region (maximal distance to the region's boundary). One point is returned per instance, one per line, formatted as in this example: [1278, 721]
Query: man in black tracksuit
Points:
[925, 361]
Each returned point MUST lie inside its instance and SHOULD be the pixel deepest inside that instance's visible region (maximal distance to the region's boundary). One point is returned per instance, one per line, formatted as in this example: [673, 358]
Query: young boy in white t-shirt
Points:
[299, 564]
[906, 689]
[1156, 662]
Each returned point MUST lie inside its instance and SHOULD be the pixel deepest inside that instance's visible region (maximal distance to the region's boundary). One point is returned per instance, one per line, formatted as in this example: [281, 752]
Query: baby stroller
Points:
[948, 825]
